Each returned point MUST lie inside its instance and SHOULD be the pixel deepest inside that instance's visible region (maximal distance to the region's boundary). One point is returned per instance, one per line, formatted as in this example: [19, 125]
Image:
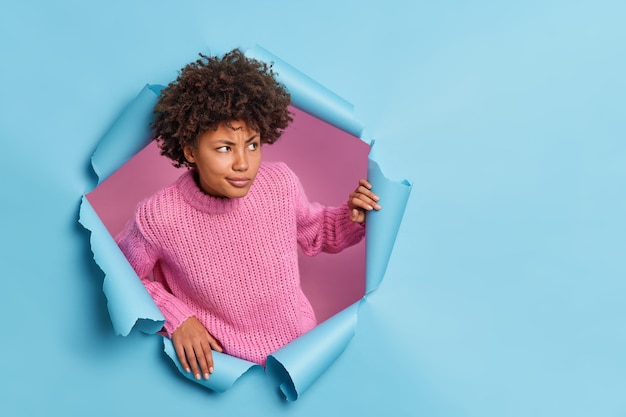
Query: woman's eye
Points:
[223, 149]
[253, 146]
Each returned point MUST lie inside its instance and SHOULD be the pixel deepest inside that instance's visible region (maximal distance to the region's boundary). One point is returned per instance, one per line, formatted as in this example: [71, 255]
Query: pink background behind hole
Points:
[329, 163]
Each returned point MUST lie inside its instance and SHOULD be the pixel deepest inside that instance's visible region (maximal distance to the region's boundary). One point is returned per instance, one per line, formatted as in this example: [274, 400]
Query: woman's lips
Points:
[238, 182]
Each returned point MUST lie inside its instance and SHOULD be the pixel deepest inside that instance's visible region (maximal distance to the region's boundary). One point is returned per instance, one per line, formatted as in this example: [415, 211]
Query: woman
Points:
[218, 249]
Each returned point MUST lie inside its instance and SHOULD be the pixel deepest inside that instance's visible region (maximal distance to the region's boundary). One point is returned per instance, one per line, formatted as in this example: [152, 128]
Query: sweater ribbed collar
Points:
[201, 201]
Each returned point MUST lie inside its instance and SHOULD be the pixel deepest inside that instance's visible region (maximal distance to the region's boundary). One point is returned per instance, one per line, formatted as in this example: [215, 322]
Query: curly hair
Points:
[213, 90]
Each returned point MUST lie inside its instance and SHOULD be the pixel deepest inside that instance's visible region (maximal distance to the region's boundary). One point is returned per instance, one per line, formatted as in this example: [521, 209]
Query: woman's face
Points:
[227, 159]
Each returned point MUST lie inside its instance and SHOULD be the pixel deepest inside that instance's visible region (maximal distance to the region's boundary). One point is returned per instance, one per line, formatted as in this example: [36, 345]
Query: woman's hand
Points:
[193, 344]
[362, 200]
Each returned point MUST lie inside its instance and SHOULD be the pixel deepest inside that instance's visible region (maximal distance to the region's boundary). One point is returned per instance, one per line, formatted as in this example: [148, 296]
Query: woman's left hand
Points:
[362, 200]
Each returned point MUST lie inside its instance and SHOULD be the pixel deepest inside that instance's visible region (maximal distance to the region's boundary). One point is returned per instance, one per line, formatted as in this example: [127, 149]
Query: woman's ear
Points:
[189, 152]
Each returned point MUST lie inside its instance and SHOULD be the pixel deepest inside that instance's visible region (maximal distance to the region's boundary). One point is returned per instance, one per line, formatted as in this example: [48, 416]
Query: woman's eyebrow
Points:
[229, 142]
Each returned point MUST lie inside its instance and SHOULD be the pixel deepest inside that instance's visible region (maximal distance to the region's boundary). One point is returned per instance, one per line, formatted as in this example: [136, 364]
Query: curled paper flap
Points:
[299, 364]
[129, 134]
[228, 369]
[128, 302]
[382, 225]
[310, 96]
[296, 366]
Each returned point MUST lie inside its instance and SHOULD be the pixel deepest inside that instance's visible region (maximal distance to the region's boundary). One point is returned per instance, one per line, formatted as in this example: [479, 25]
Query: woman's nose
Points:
[240, 162]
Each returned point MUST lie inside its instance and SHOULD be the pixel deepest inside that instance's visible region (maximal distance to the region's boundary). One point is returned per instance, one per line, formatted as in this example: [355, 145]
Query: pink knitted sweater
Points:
[233, 263]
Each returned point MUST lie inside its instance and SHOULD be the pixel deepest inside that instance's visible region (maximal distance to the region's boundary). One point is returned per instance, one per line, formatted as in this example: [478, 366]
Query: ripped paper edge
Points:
[130, 305]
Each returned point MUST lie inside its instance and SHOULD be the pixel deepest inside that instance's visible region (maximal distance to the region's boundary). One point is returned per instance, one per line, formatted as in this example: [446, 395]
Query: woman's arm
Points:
[143, 256]
[332, 229]
[192, 341]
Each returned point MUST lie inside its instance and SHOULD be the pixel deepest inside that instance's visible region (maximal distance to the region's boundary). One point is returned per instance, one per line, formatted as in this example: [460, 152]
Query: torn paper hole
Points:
[131, 307]
[328, 162]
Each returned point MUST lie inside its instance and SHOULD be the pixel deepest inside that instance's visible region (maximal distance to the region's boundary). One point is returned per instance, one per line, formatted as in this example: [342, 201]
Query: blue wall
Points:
[504, 295]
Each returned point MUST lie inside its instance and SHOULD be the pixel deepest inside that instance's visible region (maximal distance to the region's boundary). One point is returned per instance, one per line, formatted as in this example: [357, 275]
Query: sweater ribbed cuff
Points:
[174, 310]
[348, 232]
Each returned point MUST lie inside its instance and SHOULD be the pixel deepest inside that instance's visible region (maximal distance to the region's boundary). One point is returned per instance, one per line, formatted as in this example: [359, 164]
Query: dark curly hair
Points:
[213, 90]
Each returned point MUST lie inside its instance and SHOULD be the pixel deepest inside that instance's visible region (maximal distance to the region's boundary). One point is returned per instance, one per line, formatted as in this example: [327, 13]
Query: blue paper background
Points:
[505, 291]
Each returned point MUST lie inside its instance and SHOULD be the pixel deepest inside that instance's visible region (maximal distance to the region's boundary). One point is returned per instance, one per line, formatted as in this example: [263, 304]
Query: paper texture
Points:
[383, 225]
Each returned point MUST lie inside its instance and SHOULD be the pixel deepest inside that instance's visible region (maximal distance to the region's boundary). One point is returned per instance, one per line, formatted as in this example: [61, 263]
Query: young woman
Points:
[218, 249]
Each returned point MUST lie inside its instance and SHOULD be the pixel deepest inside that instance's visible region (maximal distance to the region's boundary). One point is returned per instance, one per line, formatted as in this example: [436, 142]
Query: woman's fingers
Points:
[361, 200]
[364, 202]
[182, 356]
[193, 345]
[363, 197]
[214, 344]
[205, 359]
[357, 216]
[193, 361]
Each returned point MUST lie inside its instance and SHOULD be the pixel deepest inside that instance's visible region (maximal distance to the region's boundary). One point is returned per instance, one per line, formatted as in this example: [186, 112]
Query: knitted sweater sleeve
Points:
[143, 257]
[324, 229]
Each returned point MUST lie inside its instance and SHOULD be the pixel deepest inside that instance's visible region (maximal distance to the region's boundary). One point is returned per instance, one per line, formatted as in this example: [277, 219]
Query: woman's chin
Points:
[236, 192]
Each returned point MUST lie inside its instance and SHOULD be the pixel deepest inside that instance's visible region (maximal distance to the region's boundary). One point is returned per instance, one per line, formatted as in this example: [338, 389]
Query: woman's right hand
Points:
[193, 344]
